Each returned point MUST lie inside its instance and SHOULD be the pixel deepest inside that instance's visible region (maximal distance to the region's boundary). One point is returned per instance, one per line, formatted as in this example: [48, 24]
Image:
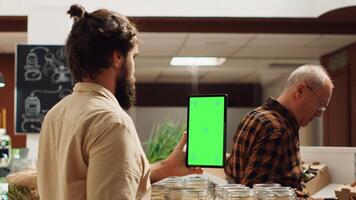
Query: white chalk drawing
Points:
[33, 116]
[36, 128]
[42, 80]
[50, 64]
[60, 53]
[61, 74]
[53, 65]
[33, 72]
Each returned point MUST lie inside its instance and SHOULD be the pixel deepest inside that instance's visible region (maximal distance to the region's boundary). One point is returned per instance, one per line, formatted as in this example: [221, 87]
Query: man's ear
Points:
[118, 59]
[300, 89]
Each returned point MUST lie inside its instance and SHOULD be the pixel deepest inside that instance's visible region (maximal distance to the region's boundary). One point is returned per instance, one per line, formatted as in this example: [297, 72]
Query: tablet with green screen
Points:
[206, 129]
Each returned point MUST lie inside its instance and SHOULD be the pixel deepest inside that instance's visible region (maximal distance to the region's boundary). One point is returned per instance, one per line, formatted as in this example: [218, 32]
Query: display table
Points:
[327, 192]
[218, 176]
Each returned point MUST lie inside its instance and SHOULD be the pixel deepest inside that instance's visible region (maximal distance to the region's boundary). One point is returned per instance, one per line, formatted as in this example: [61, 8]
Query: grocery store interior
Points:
[257, 45]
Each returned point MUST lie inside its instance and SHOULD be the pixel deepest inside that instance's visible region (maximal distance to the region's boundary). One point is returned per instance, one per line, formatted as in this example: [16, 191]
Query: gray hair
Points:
[315, 76]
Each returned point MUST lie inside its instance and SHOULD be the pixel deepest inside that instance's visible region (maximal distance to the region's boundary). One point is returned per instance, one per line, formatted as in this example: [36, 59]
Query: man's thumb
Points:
[182, 141]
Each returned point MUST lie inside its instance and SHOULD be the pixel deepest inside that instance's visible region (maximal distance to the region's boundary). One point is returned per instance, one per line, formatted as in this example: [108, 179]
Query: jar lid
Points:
[280, 192]
[238, 192]
[266, 185]
[195, 193]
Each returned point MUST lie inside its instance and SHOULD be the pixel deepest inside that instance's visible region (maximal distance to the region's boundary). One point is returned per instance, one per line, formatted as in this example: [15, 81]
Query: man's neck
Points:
[106, 79]
[285, 100]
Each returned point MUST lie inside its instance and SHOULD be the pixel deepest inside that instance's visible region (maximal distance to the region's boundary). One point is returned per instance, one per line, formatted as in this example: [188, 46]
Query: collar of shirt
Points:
[271, 103]
[96, 88]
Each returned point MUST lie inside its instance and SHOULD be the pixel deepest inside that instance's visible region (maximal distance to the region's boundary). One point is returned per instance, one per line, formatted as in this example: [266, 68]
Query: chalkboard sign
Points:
[42, 80]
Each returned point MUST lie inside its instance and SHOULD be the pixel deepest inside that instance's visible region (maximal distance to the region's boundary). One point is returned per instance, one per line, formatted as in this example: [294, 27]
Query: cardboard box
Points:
[346, 192]
[321, 180]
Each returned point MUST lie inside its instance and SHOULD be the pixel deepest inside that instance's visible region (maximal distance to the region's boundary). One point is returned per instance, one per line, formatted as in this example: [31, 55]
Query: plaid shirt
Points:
[266, 148]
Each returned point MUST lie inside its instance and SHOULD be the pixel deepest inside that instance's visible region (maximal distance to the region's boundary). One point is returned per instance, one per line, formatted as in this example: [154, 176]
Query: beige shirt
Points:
[89, 149]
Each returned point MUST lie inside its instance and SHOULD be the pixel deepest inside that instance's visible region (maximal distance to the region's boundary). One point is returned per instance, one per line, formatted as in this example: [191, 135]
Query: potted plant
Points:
[164, 137]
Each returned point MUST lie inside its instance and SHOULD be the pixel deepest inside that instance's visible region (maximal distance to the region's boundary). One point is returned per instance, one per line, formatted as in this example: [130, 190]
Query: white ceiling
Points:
[249, 56]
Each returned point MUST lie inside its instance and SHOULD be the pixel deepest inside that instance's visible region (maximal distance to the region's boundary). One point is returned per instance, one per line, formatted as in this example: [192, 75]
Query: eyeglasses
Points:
[321, 108]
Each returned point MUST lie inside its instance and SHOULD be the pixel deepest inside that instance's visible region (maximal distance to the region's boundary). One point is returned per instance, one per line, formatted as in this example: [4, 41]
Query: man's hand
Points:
[176, 160]
[174, 165]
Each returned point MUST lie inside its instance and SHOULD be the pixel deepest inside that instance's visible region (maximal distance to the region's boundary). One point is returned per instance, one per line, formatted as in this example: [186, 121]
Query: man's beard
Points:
[125, 91]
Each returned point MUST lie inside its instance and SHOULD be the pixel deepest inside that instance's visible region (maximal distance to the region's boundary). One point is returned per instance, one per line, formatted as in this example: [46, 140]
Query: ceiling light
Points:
[2, 80]
[197, 61]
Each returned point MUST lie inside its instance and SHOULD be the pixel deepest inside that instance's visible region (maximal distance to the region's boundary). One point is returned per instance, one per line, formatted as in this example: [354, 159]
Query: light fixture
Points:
[197, 61]
[2, 80]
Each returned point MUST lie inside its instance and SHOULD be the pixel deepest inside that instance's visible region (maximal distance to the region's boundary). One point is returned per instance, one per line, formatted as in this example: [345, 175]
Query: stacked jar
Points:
[183, 188]
[219, 190]
[200, 183]
[173, 188]
[243, 193]
[195, 194]
[260, 190]
[281, 193]
[200, 188]
[158, 191]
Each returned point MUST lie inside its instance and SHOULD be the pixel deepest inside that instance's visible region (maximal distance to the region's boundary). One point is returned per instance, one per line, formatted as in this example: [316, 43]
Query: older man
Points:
[266, 144]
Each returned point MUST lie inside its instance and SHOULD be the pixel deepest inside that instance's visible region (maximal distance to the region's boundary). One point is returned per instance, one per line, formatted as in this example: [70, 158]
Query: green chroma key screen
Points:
[206, 130]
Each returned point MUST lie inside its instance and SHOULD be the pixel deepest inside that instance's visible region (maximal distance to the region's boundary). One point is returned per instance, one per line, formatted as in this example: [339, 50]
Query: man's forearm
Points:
[159, 171]
[174, 165]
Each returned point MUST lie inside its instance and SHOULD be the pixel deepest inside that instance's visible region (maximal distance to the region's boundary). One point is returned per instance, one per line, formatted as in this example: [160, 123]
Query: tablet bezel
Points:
[224, 132]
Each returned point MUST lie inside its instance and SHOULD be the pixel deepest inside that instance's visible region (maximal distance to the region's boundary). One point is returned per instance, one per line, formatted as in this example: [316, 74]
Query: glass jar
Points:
[173, 183]
[158, 191]
[174, 194]
[238, 194]
[218, 191]
[266, 185]
[260, 190]
[4, 191]
[172, 187]
[282, 193]
[5, 148]
[195, 194]
[197, 182]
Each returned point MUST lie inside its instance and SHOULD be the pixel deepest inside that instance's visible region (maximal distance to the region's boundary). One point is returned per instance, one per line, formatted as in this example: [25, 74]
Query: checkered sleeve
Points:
[266, 159]
[246, 130]
[265, 148]
[232, 167]
[231, 161]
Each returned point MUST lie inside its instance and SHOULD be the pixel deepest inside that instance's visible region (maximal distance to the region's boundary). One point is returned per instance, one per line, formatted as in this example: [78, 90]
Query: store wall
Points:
[156, 102]
[7, 63]
[340, 117]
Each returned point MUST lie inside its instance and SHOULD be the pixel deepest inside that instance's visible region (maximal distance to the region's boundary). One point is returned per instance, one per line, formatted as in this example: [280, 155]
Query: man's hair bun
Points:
[77, 11]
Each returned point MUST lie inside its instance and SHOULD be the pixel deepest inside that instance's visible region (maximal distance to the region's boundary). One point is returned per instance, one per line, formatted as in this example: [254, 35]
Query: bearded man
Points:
[89, 147]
